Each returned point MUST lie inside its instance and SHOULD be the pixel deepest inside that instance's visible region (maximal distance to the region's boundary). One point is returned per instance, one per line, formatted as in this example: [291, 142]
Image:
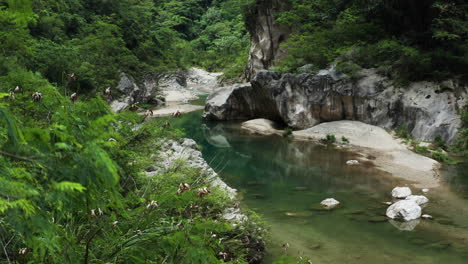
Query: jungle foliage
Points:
[407, 40]
[73, 187]
[97, 39]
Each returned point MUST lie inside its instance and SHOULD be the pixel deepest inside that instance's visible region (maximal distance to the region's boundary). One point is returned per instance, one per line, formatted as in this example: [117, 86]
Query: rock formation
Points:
[267, 35]
[169, 87]
[425, 109]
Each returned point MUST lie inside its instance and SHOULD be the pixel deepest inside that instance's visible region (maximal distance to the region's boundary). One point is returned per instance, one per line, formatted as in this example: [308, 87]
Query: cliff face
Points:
[302, 101]
[266, 35]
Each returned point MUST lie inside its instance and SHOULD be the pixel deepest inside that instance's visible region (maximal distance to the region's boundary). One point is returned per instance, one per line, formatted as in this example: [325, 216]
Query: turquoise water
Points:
[284, 181]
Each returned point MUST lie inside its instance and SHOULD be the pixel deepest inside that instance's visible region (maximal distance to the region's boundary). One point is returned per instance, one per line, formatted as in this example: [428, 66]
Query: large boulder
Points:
[129, 91]
[405, 210]
[239, 102]
[401, 192]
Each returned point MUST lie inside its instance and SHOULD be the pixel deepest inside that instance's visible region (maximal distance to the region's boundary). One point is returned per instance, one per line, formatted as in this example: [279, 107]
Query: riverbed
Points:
[284, 181]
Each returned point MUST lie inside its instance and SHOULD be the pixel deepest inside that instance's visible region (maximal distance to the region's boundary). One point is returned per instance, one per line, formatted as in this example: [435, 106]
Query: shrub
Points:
[344, 139]
[287, 132]
[441, 157]
[421, 149]
[439, 143]
[403, 132]
[329, 139]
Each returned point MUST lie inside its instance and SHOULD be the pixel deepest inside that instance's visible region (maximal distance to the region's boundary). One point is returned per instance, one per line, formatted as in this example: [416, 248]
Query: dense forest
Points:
[408, 40]
[72, 182]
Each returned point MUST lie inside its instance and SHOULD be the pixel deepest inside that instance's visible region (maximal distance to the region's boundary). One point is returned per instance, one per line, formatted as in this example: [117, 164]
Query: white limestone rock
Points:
[401, 192]
[405, 210]
[352, 162]
[426, 216]
[330, 203]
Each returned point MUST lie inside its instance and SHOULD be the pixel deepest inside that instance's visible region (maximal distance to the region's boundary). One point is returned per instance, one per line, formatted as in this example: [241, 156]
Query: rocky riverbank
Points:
[373, 143]
[171, 89]
[187, 150]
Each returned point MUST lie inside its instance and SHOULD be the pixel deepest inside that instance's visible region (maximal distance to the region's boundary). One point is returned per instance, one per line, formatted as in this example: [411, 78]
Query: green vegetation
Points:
[407, 40]
[329, 139]
[287, 132]
[97, 40]
[73, 187]
[403, 132]
[344, 139]
[461, 145]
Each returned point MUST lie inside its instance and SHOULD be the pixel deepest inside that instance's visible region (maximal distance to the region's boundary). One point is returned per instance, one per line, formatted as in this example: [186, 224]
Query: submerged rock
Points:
[261, 126]
[352, 162]
[405, 210]
[401, 192]
[406, 226]
[419, 199]
[330, 203]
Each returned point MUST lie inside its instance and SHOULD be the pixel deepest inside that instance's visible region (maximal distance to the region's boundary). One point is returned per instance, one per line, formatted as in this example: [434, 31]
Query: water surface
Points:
[284, 181]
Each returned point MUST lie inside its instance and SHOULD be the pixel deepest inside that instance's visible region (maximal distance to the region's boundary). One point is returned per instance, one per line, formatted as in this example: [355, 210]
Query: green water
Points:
[284, 181]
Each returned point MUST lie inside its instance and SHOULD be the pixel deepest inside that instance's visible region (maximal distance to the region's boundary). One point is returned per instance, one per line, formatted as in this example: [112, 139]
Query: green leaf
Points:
[66, 186]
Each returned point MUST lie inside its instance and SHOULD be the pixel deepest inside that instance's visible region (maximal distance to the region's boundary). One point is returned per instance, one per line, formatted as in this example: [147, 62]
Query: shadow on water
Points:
[285, 180]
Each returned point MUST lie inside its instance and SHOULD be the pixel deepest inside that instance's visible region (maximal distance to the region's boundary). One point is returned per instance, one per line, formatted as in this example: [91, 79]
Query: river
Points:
[284, 181]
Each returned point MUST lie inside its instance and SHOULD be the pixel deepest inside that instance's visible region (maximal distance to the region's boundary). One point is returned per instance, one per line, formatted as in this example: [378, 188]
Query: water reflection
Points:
[286, 180]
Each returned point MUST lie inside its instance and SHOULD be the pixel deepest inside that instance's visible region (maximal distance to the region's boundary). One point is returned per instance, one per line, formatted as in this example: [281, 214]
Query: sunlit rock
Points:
[401, 192]
[330, 203]
[405, 210]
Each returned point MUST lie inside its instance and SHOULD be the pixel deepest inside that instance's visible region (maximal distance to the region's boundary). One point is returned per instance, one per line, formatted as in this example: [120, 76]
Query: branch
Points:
[15, 157]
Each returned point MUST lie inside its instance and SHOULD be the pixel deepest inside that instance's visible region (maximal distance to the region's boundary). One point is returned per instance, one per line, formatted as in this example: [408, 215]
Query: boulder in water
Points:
[401, 192]
[405, 210]
[330, 203]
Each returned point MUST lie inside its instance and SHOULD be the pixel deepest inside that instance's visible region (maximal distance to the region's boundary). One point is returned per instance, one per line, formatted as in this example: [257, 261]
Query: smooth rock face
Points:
[267, 35]
[419, 199]
[330, 203]
[308, 99]
[404, 210]
[401, 192]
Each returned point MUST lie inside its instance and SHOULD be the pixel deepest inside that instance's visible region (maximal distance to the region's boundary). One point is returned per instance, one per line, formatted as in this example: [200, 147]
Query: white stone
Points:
[425, 190]
[419, 199]
[352, 162]
[330, 203]
[426, 216]
[401, 192]
[404, 210]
